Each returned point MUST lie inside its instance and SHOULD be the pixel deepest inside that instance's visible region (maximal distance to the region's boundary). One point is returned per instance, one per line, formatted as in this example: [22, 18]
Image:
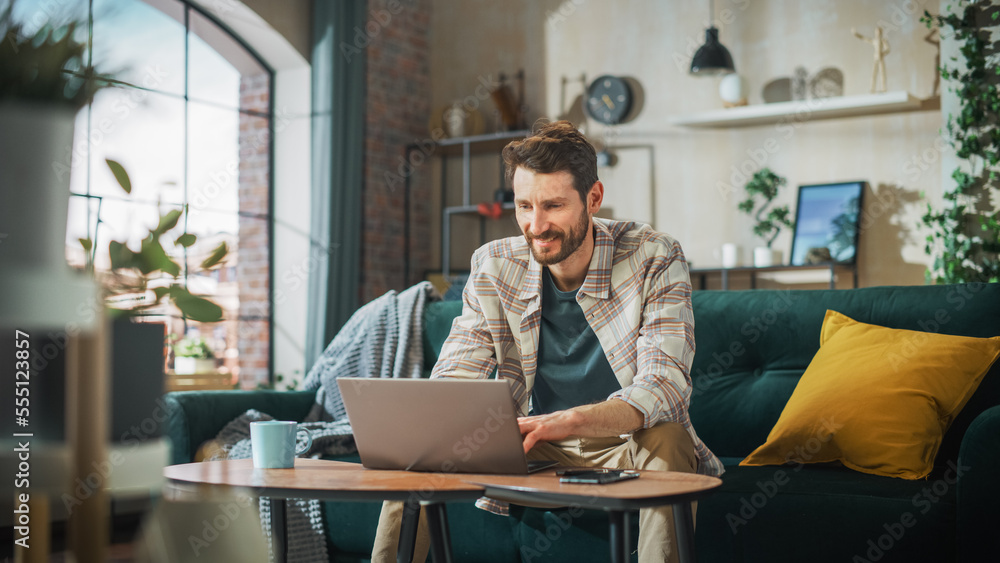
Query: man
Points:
[590, 321]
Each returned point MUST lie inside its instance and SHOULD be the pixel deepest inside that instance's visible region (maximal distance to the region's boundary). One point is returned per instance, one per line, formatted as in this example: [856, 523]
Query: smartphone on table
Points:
[597, 476]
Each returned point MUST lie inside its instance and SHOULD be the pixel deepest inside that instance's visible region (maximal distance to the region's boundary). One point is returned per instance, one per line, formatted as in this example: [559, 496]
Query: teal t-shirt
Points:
[572, 367]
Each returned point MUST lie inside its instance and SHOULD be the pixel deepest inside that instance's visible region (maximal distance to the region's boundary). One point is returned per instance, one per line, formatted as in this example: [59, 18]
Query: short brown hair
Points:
[554, 147]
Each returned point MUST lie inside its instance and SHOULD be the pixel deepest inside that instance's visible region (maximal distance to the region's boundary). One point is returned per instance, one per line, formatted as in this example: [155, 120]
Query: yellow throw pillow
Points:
[877, 399]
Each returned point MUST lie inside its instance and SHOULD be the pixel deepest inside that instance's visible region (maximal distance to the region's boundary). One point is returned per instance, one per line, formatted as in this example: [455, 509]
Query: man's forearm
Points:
[608, 418]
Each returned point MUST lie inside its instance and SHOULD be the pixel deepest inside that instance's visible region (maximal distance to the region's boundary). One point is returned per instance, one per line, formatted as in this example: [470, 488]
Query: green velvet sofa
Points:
[817, 513]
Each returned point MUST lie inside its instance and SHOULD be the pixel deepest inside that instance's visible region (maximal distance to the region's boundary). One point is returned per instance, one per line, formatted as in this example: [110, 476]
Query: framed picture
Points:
[826, 223]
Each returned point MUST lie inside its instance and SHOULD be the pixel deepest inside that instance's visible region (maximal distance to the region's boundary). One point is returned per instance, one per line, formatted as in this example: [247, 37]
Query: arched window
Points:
[189, 116]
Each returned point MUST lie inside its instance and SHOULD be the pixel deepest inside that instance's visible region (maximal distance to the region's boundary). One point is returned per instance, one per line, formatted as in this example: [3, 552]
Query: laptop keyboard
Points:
[539, 464]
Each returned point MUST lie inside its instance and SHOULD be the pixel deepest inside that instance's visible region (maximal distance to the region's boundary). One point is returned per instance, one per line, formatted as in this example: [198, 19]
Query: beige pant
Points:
[664, 447]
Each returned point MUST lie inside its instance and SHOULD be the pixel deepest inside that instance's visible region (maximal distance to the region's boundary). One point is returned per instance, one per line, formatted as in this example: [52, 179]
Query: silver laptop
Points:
[446, 425]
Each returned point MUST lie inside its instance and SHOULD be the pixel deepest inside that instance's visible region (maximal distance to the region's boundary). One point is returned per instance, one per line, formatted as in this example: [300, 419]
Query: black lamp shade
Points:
[712, 57]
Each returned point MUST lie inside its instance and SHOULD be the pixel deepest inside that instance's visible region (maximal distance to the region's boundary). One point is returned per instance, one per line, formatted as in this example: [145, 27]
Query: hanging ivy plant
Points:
[964, 236]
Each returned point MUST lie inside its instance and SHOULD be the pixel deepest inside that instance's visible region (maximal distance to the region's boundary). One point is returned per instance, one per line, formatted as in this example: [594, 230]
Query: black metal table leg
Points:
[437, 523]
[684, 527]
[279, 530]
[619, 529]
[408, 532]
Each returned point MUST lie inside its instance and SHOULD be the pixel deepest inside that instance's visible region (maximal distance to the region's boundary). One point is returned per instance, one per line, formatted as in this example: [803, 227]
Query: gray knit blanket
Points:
[382, 339]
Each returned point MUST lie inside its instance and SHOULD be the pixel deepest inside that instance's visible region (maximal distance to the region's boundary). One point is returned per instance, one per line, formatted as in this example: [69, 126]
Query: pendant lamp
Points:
[712, 58]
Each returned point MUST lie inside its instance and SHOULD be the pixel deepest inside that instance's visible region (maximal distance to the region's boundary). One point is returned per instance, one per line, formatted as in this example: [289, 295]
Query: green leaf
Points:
[194, 307]
[160, 292]
[168, 221]
[121, 256]
[87, 244]
[120, 174]
[186, 240]
[217, 256]
[153, 257]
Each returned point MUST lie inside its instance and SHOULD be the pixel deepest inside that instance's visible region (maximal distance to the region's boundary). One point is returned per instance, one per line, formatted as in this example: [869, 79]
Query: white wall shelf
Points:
[809, 110]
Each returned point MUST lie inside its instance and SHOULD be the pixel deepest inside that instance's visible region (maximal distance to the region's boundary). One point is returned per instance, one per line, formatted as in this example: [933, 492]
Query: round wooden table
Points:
[335, 480]
[651, 489]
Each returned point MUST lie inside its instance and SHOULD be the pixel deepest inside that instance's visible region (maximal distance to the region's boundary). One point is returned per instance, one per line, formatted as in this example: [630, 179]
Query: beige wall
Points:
[676, 178]
[291, 18]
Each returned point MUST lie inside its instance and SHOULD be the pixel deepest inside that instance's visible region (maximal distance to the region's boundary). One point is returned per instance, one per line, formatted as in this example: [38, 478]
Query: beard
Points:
[569, 242]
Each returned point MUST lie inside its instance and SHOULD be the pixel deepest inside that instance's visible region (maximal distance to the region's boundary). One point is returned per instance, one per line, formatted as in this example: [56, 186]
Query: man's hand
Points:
[610, 418]
[553, 426]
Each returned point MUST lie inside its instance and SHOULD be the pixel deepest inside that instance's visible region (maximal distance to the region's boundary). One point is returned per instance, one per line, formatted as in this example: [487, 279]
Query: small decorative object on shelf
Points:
[777, 91]
[511, 110]
[455, 120]
[731, 255]
[800, 81]
[881, 46]
[764, 185]
[733, 90]
[827, 83]
[490, 209]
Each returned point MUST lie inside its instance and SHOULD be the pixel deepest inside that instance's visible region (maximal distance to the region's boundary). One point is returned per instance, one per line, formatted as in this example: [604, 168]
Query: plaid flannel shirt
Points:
[637, 299]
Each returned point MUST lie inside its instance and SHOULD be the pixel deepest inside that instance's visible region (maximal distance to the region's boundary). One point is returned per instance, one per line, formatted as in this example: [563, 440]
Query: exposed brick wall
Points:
[252, 268]
[398, 106]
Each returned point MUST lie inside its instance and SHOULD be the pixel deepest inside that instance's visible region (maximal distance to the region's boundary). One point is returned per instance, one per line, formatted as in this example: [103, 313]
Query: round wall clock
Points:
[609, 99]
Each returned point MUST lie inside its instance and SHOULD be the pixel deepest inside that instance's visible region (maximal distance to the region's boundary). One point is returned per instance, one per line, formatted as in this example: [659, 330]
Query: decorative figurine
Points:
[881, 45]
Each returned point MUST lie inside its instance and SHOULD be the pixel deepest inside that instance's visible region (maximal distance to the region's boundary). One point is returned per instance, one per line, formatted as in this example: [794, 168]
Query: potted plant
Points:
[193, 355]
[964, 237]
[761, 190]
[44, 81]
[142, 279]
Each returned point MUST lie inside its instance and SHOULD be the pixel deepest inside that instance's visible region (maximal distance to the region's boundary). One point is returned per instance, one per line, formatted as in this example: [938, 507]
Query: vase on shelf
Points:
[184, 365]
[764, 256]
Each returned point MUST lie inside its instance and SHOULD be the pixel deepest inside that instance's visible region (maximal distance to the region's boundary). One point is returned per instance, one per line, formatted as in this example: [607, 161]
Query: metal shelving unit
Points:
[464, 148]
[829, 269]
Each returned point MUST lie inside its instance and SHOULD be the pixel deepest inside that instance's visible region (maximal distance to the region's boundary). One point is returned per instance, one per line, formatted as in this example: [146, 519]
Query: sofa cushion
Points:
[877, 399]
[752, 347]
